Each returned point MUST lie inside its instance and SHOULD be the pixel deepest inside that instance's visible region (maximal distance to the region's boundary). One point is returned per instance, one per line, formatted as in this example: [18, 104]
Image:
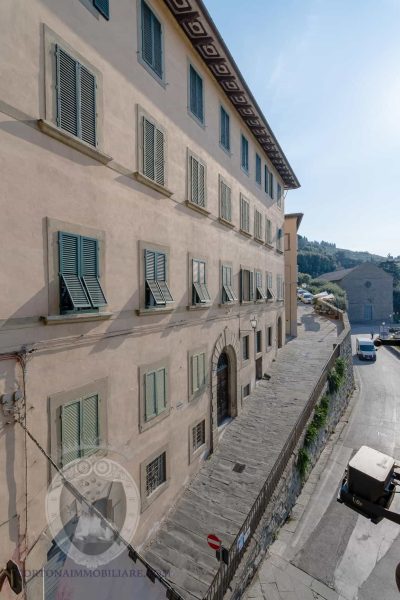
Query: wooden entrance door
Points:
[222, 388]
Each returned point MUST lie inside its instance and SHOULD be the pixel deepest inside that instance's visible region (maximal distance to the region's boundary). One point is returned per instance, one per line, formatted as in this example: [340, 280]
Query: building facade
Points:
[142, 267]
[369, 292]
[292, 224]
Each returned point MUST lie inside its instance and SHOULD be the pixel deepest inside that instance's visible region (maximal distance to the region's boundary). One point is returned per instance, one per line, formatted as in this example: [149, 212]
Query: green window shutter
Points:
[195, 370]
[161, 261]
[251, 285]
[224, 129]
[194, 176]
[67, 91]
[70, 432]
[258, 169]
[160, 390]
[150, 265]
[271, 185]
[103, 7]
[224, 275]
[87, 113]
[73, 293]
[90, 271]
[196, 94]
[89, 424]
[148, 149]
[150, 395]
[151, 39]
[201, 362]
[266, 179]
[159, 157]
[157, 45]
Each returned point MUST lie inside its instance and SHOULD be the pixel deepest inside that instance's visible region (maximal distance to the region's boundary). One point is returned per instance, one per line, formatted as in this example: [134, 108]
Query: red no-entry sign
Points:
[213, 541]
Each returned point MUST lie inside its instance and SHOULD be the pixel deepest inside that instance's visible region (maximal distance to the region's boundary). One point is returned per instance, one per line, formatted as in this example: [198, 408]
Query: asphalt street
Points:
[326, 550]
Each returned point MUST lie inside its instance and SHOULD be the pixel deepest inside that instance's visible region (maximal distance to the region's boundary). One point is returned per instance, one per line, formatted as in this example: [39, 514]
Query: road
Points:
[325, 550]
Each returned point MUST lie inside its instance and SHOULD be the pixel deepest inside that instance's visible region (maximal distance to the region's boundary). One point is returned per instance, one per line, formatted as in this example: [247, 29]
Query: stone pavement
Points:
[218, 499]
[277, 578]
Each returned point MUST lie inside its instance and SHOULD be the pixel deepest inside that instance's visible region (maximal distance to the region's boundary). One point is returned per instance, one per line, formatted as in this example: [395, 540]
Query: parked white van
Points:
[365, 349]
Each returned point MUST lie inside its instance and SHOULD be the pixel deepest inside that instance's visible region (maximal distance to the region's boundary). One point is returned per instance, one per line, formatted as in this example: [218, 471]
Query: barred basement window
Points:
[246, 390]
[153, 151]
[225, 201]
[197, 182]
[200, 294]
[258, 223]
[155, 473]
[76, 97]
[199, 435]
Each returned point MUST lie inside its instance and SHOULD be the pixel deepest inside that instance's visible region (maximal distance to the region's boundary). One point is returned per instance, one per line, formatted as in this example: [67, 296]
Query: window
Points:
[270, 292]
[225, 202]
[200, 294]
[196, 94]
[79, 428]
[260, 294]
[153, 151]
[224, 133]
[279, 287]
[156, 473]
[103, 7]
[76, 98]
[247, 285]
[266, 179]
[157, 292]
[268, 231]
[269, 337]
[244, 154]
[258, 341]
[258, 225]
[155, 383]
[246, 347]
[80, 287]
[228, 294]
[271, 185]
[279, 235]
[198, 363]
[258, 169]
[197, 182]
[151, 40]
[246, 390]
[279, 195]
[198, 435]
[244, 214]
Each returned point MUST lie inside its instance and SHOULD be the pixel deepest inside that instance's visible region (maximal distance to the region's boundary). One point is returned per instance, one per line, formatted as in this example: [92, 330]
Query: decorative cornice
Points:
[198, 26]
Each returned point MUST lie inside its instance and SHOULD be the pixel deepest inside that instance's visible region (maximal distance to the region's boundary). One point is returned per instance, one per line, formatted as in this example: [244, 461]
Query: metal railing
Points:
[226, 573]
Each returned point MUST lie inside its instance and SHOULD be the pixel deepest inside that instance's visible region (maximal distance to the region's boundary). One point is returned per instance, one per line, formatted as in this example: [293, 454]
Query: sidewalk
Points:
[219, 499]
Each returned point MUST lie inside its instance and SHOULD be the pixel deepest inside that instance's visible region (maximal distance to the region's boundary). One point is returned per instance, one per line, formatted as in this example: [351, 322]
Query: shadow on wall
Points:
[310, 323]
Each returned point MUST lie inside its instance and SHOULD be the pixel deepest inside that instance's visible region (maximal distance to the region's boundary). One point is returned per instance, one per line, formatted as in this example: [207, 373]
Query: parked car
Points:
[365, 349]
[307, 298]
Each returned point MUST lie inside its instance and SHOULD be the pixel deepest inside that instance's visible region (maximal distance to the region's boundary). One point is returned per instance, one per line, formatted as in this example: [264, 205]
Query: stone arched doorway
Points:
[224, 384]
[279, 333]
[223, 389]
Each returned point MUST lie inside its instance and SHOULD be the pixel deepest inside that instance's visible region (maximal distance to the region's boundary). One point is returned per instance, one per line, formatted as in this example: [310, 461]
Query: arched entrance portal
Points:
[279, 332]
[223, 396]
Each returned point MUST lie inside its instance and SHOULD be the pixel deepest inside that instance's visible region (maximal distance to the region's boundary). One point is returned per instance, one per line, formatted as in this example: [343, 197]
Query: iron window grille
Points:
[198, 435]
[155, 473]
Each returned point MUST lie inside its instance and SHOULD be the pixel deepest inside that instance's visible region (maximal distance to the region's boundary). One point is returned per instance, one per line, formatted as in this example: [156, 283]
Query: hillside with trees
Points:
[317, 258]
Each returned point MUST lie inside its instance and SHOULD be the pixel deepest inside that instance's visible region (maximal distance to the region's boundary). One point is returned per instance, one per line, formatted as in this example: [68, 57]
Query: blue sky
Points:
[326, 74]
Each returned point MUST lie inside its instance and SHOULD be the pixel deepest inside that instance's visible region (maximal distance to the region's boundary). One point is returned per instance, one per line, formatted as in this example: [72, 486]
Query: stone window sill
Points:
[279, 251]
[227, 304]
[197, 208]
[227, 223]
[258, 240]
[148, 500]
[75, 318]
[260, 301]
[145, 425]
[269, 245]
[245, 233]
[199, 306]
[72, 141]
[247, 302]
[154, 311]
[152, 184]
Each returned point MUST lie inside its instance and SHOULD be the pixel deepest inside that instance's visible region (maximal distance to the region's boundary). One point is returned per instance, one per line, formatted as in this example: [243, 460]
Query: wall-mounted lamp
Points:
[253, 322]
